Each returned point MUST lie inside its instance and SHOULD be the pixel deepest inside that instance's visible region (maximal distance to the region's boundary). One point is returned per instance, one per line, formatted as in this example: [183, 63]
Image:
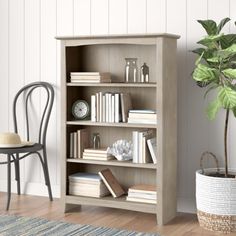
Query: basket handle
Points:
[209, 154]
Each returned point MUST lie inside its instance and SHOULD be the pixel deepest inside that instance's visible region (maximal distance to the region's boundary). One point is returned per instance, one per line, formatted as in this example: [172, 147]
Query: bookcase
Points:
[107, 54]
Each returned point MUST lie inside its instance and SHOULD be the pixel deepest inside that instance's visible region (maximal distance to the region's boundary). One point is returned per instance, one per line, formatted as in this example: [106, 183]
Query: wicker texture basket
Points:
[216, 199]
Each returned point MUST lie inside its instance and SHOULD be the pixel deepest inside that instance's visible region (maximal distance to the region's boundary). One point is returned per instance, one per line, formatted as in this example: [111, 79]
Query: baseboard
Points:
[186, 204]
[38, 189]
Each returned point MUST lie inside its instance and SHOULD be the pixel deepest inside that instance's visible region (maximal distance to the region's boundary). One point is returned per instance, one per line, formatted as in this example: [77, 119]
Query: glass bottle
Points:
[96, 140]
[144, 73]
[131, 70]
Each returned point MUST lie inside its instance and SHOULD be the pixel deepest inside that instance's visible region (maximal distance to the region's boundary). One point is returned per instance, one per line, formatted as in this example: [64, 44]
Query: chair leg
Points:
[8, 181]
[46, 174]
[17, 173]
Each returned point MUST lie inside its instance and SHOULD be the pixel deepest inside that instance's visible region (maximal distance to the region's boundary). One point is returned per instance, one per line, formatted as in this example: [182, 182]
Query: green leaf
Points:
[234, 111]
[231, 49]
[210, 41]
[222, 23]
[213, 59]
[212, 109]
[199, 59]
[209, 25]
[227, 40]
[205, 73]
[227, 97]
[229, 73]
[199, 51]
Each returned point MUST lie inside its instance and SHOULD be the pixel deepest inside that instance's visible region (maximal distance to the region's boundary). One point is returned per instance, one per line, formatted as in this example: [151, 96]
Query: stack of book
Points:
[140, 149]
[90, 77]
[79, 140]
[97, 154]
[142, 117]
[110, 107]
[142, 193]
[86, 184]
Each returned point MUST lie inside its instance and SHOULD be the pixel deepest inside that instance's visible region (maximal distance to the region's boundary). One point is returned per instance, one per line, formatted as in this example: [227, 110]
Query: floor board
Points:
[25, 205]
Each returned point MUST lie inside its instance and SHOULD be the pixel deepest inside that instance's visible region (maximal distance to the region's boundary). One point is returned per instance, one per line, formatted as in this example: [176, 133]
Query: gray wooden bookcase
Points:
[106, 54]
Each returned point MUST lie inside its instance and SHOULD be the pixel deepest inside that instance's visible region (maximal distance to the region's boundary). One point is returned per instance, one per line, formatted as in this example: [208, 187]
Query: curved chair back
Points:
[27, 92]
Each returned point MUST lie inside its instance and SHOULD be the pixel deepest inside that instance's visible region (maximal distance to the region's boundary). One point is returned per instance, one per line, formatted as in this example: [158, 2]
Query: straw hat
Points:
[12, 140]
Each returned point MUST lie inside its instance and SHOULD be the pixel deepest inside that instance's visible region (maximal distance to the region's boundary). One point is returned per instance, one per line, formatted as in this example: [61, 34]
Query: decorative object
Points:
[96, 140]
[16, 225]
[144, 73]
[12, 140]
[131, 70]
[80, 109]
[215, 70]
[121, 149]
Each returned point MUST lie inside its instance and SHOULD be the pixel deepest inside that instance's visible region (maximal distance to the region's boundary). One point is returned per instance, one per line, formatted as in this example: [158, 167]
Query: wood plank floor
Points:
[25, 205]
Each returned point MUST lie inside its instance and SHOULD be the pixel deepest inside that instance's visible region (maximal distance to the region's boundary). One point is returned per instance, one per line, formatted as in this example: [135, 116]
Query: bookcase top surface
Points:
[117, 36]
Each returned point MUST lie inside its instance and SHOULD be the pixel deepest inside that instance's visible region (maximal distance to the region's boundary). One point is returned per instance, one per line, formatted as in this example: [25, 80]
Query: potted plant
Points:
[215, 70]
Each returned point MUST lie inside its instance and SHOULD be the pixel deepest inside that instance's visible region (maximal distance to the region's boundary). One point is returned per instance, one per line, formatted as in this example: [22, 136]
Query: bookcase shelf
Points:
[107, 54]
[89, 123]
[111, 202]
[113, 163]
[128, 85]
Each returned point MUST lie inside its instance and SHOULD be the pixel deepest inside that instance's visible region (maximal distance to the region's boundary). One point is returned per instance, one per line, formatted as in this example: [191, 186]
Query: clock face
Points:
[80, 109]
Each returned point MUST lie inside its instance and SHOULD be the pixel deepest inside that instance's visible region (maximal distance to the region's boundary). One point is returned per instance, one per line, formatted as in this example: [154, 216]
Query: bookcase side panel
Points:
[167, 129]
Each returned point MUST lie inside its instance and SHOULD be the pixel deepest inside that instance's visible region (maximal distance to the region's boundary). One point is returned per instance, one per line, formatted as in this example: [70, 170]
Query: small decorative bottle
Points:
[131, 70]
[144, 73]
[96, 140]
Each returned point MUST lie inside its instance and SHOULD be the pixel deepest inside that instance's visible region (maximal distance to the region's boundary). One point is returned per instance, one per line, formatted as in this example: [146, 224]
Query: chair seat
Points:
[25, 149]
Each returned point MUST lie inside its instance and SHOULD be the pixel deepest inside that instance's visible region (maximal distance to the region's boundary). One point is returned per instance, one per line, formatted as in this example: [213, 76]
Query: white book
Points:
[141, 200]
[75, 149]
[93, 108]
[117, 105]
[112, 108]
[100, 106]
[103, 108]
[97, 108]
[144, 111]
[90, 73]
[142, 121]
[107, 107]
[152, 146]
[135, 146]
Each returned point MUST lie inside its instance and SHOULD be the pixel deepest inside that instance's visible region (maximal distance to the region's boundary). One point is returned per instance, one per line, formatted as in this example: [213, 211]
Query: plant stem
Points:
[226, 142]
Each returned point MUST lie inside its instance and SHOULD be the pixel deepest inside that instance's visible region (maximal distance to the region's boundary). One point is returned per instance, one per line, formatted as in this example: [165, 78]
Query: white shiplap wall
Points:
[29, 52]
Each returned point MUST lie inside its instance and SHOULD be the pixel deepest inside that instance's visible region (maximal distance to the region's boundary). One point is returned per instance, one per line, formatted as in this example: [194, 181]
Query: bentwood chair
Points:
[14, 155]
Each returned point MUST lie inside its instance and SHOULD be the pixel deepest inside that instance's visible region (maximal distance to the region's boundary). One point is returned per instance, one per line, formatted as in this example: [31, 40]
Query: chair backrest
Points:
[26, 92]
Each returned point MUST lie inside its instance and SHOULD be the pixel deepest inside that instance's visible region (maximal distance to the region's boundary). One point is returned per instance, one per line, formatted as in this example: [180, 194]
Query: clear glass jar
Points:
[96, 140]
[144, 73]
[131, 70]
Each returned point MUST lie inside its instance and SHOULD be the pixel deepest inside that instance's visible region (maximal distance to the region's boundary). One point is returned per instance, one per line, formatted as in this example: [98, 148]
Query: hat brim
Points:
[22, 144]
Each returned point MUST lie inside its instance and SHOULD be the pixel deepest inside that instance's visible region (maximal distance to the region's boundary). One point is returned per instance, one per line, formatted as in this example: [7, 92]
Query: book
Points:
[97, 158]
[82, 141]
[112, 108]
[111, 182]
[146, 111]
[143, 116]
[103, 108]
[143, 195]
[132, 199]
[85, 176]
[126, 105]
[90, 74]
[152, 146]
[71, 145]
[97, 108]
[75, 146]
[117, 108]
[92, 150]
[90, 77]
[143, 188]
[141, 121]
[135, 146]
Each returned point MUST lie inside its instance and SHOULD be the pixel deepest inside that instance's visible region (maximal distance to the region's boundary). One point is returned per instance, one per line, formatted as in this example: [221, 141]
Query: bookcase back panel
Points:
[141, 98]
[127, 177]
[109, 58]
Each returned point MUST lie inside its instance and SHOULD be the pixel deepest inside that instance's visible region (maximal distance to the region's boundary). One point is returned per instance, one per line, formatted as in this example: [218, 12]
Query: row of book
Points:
[142, 117]
[110, 107]
[90, 77]
[97, 154]
[142, 142]
[79, 140]
[105, 183]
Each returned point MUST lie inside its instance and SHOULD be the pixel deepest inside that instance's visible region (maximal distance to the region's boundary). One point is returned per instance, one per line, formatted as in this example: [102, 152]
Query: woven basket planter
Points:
[216, 201]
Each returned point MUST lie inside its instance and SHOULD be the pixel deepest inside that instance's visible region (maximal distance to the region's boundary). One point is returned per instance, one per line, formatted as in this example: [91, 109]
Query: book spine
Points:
[122, 107]
[109, 108]
[150, 145]
[103, 108]
[117, 108]
[71, 145]
[79, 144]
[135, 146]
[75, 145]
[140, 148]
[100, 106]
[112, 108]
[97, 108]
[93, 108]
